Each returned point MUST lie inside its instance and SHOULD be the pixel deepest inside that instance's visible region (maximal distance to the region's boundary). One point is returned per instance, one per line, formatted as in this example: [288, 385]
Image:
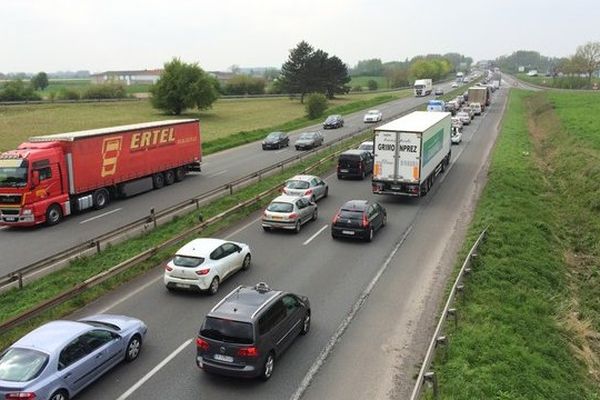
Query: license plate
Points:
[221, 357]
[348, 232]
[343, 170]
[10, 219]
[396, 187]
[182, 285]
[277, 217]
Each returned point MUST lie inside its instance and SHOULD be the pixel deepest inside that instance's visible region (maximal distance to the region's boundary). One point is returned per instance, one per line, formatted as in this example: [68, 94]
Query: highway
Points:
[217, 169]
[373, 303]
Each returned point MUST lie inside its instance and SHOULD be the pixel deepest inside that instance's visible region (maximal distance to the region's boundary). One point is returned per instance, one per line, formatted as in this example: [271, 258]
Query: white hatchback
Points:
[204, 263]
[373, 116]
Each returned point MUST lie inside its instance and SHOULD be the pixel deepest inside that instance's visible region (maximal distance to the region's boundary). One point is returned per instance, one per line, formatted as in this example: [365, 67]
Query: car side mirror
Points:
[35, 178]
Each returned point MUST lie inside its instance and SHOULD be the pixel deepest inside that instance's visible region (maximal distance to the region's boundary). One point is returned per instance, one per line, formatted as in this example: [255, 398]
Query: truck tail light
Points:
[248, 352]
[20, 395]
[202, 344]
[203, 271]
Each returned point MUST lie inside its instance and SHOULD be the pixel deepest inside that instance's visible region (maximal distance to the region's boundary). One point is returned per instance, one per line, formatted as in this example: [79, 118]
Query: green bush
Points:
[357, 88]
[316, 104]
[245, 84]
[17, 90]
[66, 94]
[372, 84]
[105, 91]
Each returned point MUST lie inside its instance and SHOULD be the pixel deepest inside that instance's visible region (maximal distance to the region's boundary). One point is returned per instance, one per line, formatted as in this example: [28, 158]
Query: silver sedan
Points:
[308, 186]
[289, 212]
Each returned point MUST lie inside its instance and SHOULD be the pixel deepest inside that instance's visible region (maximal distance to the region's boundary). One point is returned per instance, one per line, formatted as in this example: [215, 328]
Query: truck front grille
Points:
[10, 199]
[10, 211]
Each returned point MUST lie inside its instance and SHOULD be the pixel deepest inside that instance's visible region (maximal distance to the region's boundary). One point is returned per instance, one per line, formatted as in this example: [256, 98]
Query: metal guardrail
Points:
[145, 255]
[425, 373]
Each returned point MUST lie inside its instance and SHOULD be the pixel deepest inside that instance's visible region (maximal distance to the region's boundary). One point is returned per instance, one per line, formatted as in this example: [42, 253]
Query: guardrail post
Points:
[153, 216]
[197, 204]
[461, 289]
[452, 312]
[97, 246]
[20, 278]
[230, 189]
[432, 379]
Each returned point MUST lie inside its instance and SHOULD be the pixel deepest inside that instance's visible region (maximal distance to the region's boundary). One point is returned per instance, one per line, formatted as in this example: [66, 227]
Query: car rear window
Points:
[307, 136]
[227, 330]
[21, 365]
[296, 184]
[277, 206]
[351, 214]
[187, 261]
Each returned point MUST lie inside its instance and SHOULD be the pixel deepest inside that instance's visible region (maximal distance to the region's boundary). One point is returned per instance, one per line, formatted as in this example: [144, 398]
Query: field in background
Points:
[80, 85]
[227, 117]
[530, 324]
[363, 81]
[558, 82]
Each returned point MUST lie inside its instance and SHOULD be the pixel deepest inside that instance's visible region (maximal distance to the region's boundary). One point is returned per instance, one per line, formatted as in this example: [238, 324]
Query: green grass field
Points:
[363, 81]
[528, 328]
[227, 117]
[559, 82]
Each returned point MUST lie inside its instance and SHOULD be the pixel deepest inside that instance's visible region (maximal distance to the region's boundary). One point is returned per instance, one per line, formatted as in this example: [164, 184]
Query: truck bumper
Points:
[15, 217]
[396, 189]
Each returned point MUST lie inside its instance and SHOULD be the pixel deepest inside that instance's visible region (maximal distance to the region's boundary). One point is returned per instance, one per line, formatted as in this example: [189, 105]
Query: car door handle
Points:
[67, 376]
[99, 355]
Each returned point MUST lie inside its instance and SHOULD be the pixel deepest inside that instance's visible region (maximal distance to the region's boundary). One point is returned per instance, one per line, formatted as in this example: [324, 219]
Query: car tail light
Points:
[293, 216]
[20, 395]
[336, 218]
[248, 352]
[308, 192]
[203, 271]
[168, 268]
[202, 344]
[265, 214]
[360, 166]
[365, 221]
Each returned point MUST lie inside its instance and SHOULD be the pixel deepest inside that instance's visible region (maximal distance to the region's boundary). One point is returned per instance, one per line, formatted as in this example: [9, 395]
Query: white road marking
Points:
[216, 173]
[101, 215]
[243, 227]
[346, 322]
[154, 370]
[315, 235]
[130, 295]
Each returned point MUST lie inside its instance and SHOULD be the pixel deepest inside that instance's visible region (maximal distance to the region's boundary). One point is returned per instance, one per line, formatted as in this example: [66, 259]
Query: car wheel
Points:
[169, 177]
[60, 395]
[313, 198]
[267, 228]
[133, 348]
[384, 221]
[214, 286]
[370, 237]
[268, 367]
[54, 214]
[306, 324]
[297, 148]
[326, 192]
[364, 174]
[246, 263]
[315, 214]
[297, 226]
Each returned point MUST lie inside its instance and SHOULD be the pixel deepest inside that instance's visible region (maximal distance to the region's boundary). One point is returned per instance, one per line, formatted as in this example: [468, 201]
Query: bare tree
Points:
[589, 55]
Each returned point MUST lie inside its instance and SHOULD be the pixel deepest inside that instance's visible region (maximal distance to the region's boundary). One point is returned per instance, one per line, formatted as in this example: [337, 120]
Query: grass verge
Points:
[17, 301]
[512, 341]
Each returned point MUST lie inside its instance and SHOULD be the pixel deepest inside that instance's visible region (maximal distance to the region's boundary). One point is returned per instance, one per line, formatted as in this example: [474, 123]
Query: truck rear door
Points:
[397, 156]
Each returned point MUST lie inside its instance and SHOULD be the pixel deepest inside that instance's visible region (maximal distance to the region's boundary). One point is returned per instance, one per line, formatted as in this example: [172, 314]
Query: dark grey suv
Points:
[249, 329]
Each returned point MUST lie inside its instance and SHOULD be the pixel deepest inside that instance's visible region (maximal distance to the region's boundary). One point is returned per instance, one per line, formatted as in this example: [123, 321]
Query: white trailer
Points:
[423, 87]
[410, 152]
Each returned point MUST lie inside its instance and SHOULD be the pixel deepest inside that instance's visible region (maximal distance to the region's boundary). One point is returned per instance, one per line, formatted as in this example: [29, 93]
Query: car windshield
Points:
[227, 330]
[187, 261]
[13, 173]
[351, 214]
[307, 135]
[273, 135]
[101, 324]
[331, 118]
[373, 112]
[21, 365]
[281, 207]
[296, 184]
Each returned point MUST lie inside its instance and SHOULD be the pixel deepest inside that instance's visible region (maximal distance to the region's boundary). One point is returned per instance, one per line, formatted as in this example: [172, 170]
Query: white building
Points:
[127, 77]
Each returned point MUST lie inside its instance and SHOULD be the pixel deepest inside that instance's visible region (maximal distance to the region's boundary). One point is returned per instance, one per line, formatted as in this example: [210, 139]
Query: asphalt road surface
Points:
[21, 247]
[373, 349]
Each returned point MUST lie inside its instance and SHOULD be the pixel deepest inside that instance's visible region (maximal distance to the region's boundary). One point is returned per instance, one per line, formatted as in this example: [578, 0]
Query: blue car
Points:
[59, 359]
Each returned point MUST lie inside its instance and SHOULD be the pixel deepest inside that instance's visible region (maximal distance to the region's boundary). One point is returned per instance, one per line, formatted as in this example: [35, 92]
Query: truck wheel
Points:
[101, 199]
[169, 177]
[158, 180]
[54, 214]
[179, 174]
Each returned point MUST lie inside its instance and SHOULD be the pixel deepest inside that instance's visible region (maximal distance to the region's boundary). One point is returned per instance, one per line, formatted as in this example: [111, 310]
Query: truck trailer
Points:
[410, 152]
[423, 87]
[481, 95]
[49, 177]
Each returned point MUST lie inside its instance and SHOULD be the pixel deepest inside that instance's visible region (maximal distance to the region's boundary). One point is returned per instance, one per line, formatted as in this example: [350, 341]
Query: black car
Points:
[358, 219]
[249, 329]
[354, 164]
[276, 140]
[333, 121]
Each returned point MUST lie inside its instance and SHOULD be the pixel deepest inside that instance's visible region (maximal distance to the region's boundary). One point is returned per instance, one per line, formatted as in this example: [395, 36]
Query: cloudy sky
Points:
[99, 35]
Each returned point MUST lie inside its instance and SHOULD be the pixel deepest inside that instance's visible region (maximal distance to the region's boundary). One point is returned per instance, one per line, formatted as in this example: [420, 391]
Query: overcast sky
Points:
[99, 35]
